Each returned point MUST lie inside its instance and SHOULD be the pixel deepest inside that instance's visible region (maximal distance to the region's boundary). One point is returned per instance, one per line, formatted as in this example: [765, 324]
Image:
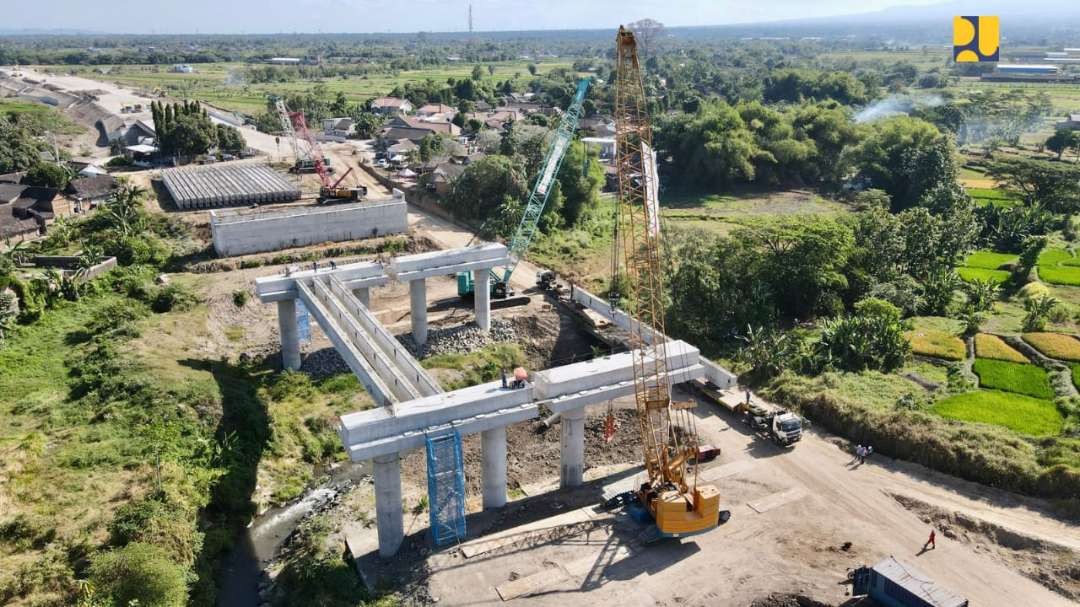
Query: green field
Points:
[1059, 267]
[47, 117]
[1024, 414]
[986, 265]
[992, 197]
[1013, 377]
[222, 84]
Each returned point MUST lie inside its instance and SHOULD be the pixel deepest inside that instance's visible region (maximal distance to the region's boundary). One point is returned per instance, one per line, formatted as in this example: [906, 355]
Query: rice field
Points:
[1013, 377]
[992, 347]
[992, 197]
[986, 265]
[936, 344]
[1024, 414]
[1055, 345]
[1059, 267]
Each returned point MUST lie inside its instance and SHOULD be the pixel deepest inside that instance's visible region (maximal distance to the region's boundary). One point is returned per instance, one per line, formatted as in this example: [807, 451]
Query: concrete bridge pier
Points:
[572, 452]
[418, 310]
[482, 297]
[388, 514]
[290, 338]
[364, 295]
[493, 447]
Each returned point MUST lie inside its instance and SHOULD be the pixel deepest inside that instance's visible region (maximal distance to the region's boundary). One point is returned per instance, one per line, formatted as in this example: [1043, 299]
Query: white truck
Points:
[768, 421]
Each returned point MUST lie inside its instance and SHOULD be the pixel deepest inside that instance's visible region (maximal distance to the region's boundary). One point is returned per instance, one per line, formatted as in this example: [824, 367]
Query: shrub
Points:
[1037, 312]
[139, 572]
[1013, 377]
[993, 347]
[173, 297]
[936, 344]
[240, 297]
[1024, 414]
[1055, 345]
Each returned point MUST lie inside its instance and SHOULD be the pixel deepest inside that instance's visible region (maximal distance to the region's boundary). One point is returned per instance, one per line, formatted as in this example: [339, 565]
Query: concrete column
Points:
[493, 446]
[364, 295]
[388, 504]
[482, 297]
[418, 313]
[572, 454]
[290, 339]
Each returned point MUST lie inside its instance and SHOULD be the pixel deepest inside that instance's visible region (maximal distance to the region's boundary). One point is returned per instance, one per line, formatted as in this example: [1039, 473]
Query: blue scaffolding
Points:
[446, 487]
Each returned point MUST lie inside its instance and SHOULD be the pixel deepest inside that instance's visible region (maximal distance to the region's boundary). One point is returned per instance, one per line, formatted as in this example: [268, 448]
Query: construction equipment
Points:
[768, 421]
[294, 127]
[677, 503]
[530, 219]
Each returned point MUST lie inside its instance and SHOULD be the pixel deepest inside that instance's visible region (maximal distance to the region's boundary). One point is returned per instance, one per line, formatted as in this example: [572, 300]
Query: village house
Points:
[391, 106]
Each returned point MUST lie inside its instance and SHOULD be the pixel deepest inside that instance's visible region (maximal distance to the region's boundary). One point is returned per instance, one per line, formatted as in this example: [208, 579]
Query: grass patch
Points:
[1013, 377]
[992, 197]
[989, 260]
[1024, 414]
[936, 344]
[477, 367]
[1075, 374]
[1055, 345]
[972, 274]
[993, 347]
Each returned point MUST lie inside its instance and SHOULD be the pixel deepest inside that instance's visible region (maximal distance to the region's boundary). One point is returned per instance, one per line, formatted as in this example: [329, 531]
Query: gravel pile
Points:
[461, 339]
[324, 363]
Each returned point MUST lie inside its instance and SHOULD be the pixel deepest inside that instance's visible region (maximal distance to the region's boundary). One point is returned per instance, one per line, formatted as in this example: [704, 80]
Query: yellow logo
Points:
[976, 39]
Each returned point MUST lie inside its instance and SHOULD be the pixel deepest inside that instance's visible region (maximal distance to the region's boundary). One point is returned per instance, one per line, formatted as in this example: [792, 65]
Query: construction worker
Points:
[503, 373]
[930, 542]
[520, 376]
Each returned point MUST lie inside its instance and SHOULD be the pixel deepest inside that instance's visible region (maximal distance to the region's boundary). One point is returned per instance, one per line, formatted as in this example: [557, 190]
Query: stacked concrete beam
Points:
[209, 186]
[237, 233]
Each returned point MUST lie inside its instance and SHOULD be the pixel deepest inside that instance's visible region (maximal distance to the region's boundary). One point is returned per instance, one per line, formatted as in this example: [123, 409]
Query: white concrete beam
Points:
[359, 275]
[357, 336]
[398, 354]
[379, 391]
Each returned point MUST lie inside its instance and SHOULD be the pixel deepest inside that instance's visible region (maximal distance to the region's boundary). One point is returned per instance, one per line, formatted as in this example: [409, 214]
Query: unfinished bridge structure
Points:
[414, 408]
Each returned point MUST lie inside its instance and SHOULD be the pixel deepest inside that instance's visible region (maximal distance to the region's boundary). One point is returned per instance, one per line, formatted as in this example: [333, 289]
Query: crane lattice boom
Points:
[669, 438]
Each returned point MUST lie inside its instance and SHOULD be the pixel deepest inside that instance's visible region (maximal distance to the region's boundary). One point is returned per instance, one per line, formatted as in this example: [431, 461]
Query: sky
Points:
[364, 16]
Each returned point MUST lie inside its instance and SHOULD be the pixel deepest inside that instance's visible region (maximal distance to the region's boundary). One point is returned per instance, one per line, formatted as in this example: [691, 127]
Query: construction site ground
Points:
[801, 517]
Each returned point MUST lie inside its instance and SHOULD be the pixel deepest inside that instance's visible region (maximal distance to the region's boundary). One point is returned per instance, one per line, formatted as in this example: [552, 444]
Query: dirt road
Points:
[813, 501]
[113, 97]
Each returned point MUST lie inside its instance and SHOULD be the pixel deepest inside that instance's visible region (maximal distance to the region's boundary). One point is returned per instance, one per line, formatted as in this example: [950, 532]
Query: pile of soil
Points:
[787, 600]
[533, 452]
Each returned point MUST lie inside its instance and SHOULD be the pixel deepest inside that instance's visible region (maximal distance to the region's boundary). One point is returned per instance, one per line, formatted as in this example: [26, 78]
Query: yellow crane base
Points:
[674, 519]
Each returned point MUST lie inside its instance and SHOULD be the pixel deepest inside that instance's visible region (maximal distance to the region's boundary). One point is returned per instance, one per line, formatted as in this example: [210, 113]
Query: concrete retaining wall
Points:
[241, 234]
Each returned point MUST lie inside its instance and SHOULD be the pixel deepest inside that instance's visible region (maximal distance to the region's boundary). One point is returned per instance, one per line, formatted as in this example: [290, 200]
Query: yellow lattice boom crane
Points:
[672, 494]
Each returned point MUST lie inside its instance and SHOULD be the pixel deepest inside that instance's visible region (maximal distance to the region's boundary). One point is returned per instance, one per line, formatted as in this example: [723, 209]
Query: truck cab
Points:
[786, 428]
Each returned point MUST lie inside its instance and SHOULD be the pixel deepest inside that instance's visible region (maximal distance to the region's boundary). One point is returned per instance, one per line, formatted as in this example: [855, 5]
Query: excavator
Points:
[678, 504]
